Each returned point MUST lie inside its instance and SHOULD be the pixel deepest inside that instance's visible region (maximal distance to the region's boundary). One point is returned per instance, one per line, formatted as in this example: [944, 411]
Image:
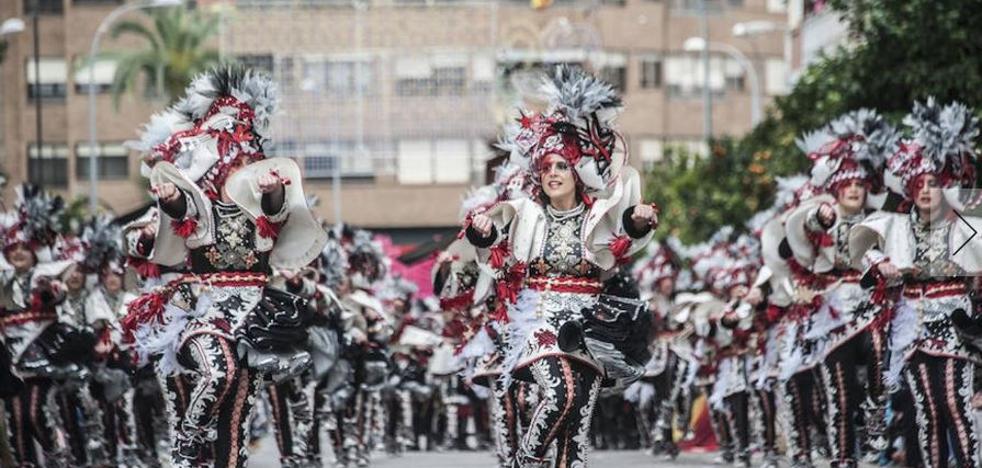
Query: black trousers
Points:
[214, 426]
[768, 419]
[32, 415]
[564, 412]
[737, 419]
[802, 397]
[942, 389]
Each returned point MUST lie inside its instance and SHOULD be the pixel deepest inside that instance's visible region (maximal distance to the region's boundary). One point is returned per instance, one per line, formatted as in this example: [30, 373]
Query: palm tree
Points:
[175, 52]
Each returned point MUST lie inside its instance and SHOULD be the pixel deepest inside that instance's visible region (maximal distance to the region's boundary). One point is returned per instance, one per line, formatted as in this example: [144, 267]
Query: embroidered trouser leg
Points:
[738, 421]
[663, 406]
[33, 416]
[232, 443]
[873, 357]
[564, 412]
[799, 415]
[720, 427]
[175, 390]
[765, 401]
[219, 384]
[942, 392]
[843, 397]
[504, 417]
[281, 420]
[906, 421]
[69, 405]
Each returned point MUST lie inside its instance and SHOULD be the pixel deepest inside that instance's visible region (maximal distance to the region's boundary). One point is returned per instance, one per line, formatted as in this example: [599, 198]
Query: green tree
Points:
[897, 52]
[699, 194]
[175, 50]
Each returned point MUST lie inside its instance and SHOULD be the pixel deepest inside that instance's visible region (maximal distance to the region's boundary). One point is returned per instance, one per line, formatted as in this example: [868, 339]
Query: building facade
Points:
[400, 100]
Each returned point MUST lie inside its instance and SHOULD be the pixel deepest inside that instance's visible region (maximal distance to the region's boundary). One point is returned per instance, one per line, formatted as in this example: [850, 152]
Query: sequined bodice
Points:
[234, 247]
[562, 250]
[841, 236]
[931, 255]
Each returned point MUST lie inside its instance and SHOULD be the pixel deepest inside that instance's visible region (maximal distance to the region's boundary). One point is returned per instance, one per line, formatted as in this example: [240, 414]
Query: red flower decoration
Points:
[184, 227]
[267, 228]
[545, 338]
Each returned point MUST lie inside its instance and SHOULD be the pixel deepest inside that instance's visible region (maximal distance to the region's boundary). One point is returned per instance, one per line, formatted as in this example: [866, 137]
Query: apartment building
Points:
[400, 100]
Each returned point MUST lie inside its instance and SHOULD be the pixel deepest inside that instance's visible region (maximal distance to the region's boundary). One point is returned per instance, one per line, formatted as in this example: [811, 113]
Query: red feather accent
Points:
[498, 255]
[821, 239]
[145, 268]
[774, 313]
[619, 248]
[184, 227]
[149, 307]
[500, 313]
[267, 228]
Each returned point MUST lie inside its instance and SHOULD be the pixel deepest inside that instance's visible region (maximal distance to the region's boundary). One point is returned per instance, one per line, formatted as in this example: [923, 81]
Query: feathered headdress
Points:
[34, 220]
[943, 143]
[659, 262]
[223, 117]
[103, 243]
[853, 146]
[366, 260]
[577, 125]
[333, 263]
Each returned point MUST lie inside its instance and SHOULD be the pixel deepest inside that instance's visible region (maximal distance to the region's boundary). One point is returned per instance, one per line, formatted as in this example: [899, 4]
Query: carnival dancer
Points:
[660, 387]
[771, 294]
[931, 252]
[848, 159]
[232, 216]
[29, 295]
[156, 415]
[105, 306]
[587, 218]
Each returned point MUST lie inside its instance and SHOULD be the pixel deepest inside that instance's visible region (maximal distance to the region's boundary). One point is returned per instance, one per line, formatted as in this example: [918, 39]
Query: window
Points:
[49, 166]
[285, 73]
[338, 77]
[104, 72]
[650, 72]
[260, 62]
[429, 161]
[49, 7]
[50, 85]
[684, 75]
[733, 72]
[442, 74]
[616, 76]
[321, 158]
[652, 151]
[114, 161]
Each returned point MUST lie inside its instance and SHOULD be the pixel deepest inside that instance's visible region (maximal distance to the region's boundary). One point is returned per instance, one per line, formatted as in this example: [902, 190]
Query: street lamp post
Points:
[698, 44]
[9, 27]
[93, 51]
